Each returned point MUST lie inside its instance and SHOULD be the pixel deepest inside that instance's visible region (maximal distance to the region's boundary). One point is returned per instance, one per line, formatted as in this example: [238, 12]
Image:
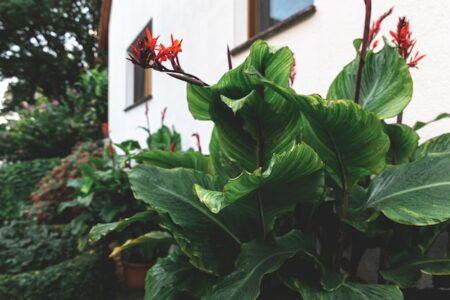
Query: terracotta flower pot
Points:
[135, 274]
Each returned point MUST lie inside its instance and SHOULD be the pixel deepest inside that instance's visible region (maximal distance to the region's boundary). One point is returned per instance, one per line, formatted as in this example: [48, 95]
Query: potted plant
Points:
[138, 255]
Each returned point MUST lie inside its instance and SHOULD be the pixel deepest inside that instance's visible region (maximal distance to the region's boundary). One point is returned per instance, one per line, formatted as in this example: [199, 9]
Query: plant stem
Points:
[340, 234]
[365, 45]
[400, 118]
[261, 218]
[230, 64]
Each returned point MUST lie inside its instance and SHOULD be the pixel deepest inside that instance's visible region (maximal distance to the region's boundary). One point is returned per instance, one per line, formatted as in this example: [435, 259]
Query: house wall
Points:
[322, 45]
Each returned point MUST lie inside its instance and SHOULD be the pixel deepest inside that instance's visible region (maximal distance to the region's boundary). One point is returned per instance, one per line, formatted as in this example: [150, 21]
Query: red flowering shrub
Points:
[53, 187]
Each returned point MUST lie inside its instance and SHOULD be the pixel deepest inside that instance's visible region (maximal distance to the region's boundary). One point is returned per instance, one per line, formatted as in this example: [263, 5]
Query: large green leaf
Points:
[417, 193]
[202, 235]
[100, 230]
[386, 86]
[440, 144]
[347, 291]
[257, 259]
[295, 174]
[410, 273]
[165, 159]
[173, 277]
[223, 167]
[348, 139]
[252, 122]
[404, 142]
[198, 101]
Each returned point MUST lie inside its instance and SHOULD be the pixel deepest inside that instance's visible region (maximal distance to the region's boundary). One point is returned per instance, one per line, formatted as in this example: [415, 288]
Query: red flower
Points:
[105, 129]
[170, 53]
[173, 147]
[404, 42]
[148, 54]
[151, 42]
[141, 55]
[111, 149]
[414, 61]
[376, 26]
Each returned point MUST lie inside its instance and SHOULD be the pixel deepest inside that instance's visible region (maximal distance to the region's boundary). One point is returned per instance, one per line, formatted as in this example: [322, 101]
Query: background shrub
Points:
[25, 246]
[50, 127]
[17, 181]
[89, 276]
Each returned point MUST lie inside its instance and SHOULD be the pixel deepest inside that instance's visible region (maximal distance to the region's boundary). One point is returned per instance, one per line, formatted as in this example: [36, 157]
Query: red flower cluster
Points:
[53, 188]
[147, 53]
[405, 43]
[376, 26]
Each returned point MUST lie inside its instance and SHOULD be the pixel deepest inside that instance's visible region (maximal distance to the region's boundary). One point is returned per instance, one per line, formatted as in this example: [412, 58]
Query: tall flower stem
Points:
[365, 45]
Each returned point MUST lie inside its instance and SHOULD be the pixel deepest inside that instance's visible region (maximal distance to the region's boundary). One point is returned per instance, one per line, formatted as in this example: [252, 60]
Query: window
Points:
[265, 14]
[141, 85]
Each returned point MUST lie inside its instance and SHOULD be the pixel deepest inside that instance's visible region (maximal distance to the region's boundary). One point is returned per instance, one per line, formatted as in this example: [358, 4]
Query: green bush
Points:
[89, 276]
[52, 127]
[17, 181]
[26, 246]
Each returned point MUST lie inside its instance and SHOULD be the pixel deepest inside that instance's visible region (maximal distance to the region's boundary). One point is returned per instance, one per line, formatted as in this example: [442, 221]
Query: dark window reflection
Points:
[275, 11]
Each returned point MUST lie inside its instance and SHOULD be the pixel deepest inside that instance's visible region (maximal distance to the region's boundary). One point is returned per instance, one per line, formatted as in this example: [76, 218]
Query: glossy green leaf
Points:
[101, 230]
[173, 277]
[420, 124]
[410, 273]
[199, 99]
[294, 173]
[386, 87]
[223, 167]
[440, 144]
[256, 260]
[202, 235]
[168, 160]
[347, 291]
[404, 142]
[252, 122]
[350, 140]
[153, 237]
[417, 193]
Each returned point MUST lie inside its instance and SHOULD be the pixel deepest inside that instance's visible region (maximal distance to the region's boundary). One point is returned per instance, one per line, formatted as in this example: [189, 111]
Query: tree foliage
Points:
[47, 49]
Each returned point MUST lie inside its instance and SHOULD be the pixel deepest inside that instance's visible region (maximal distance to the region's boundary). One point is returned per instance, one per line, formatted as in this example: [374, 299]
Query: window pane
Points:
[283, 9]
[139, 83]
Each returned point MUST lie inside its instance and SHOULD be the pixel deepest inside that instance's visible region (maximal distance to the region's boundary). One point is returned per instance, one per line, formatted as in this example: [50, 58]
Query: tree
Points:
[45, 45]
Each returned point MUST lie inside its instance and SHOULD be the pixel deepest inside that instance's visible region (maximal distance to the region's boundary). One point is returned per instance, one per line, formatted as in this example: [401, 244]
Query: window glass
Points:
[283, 9]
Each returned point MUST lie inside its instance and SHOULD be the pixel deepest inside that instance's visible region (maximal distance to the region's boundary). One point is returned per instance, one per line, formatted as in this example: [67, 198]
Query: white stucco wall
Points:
[322, 46]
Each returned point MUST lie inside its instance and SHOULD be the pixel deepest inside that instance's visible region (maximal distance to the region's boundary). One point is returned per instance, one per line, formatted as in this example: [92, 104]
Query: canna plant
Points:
[297, 188]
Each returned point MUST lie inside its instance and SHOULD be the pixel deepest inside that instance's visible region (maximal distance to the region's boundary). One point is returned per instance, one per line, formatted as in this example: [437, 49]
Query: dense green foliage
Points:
[297, 188]
[101, 192]
[51, 128]
[17, 181]
[46, 46]
[26, 246]
[89, 276]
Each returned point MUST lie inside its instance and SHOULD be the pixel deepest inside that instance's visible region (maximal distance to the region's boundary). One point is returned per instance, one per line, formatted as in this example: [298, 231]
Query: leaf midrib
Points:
[406, 191]
[202, 211]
